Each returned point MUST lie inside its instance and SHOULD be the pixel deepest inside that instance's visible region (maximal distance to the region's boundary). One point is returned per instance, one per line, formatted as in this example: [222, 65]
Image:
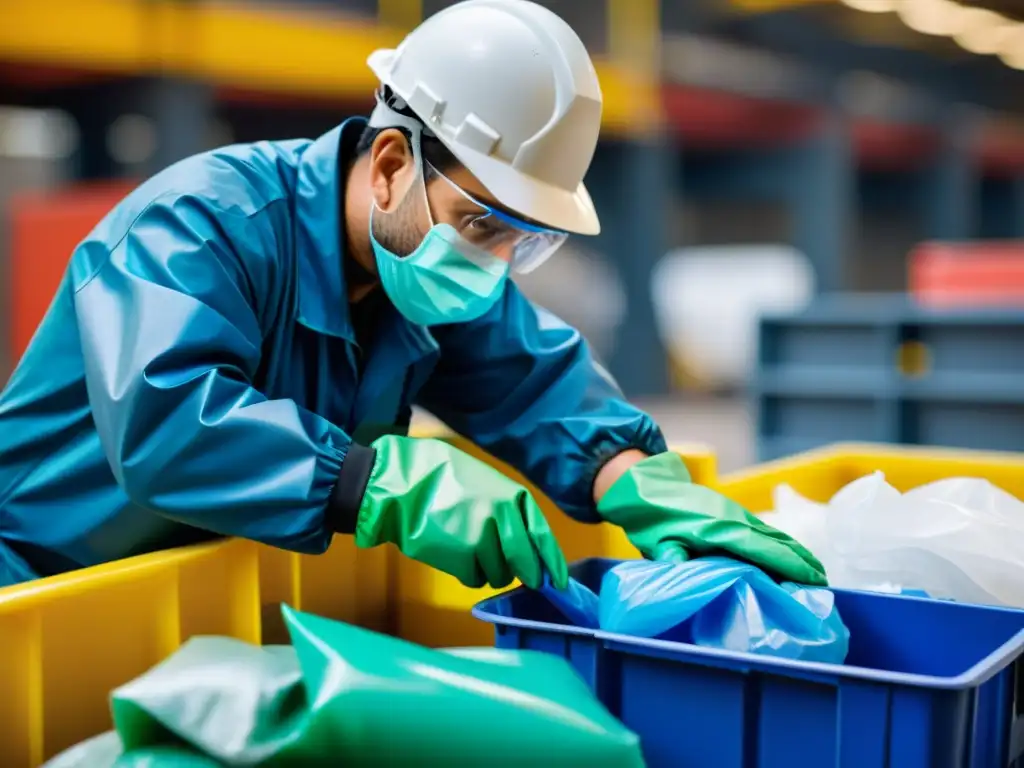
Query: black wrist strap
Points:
[347, 496]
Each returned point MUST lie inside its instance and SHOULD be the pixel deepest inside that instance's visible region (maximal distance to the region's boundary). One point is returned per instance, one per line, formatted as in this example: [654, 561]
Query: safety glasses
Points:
[524, 246]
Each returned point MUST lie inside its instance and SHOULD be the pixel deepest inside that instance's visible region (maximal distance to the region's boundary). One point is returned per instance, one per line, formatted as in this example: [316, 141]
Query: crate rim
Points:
[842, 451]
[14, 597]
[976, 675]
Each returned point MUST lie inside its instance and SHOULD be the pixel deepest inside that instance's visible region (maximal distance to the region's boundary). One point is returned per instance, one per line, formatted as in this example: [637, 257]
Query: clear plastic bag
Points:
[960, 539]
[714, 602]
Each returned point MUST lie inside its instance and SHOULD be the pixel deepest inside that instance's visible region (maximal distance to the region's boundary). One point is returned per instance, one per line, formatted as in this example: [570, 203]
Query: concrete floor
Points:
[726, 425]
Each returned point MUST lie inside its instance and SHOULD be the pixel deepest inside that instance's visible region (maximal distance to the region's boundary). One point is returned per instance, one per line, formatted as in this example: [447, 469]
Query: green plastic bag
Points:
[345, 696]
[106, 751]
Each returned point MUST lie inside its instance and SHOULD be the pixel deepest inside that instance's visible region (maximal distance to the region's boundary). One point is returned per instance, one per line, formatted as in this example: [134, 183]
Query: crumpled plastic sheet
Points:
[715, 602]
[958, 539]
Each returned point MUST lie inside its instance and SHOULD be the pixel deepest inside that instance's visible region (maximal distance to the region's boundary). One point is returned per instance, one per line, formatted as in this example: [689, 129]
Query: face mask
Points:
[445, 279]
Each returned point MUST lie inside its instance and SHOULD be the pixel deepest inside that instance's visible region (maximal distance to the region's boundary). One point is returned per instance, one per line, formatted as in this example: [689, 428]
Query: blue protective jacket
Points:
[197, 374]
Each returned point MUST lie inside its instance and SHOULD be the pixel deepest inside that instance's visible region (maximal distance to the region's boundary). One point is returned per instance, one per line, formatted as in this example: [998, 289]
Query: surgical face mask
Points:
[449, 275]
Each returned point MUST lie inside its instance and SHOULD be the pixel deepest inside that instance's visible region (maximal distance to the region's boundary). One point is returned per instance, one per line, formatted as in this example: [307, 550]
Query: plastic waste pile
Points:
[715, 602]
[959, 539]
[344, 696]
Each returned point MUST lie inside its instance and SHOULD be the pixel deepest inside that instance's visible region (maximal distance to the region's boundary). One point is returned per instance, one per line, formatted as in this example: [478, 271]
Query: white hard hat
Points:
[509, 89]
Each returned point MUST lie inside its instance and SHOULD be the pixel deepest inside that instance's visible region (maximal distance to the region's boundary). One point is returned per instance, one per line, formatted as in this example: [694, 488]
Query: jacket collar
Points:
[322, 304]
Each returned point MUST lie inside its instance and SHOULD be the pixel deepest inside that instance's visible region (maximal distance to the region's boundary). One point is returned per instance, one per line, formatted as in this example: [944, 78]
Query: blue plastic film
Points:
[715, 602]
[577, 602]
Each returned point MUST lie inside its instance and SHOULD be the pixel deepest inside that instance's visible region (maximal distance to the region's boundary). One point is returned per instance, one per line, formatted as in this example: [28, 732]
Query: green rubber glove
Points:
[667, 517]
[454, 513]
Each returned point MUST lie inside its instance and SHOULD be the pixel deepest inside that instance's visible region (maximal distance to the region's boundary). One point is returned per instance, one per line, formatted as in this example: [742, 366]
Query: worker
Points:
[236, 348]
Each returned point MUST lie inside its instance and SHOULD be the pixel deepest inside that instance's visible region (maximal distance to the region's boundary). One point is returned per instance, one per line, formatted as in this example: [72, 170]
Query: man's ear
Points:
[392, 168]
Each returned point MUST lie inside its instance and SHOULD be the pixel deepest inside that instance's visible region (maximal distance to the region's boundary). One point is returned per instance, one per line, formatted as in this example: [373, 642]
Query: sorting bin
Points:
[882, 369]
[434, 609]
[345, 583]
[820, 473]
[66, 641]
[927, 684]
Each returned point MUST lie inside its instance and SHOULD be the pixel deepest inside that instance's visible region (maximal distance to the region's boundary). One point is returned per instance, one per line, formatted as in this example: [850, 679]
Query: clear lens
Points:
[534, 249]
[482, 258]
[489, 233]
[522, 245]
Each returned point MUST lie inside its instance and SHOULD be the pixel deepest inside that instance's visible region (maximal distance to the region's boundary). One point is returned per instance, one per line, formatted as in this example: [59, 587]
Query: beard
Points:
[399, 231]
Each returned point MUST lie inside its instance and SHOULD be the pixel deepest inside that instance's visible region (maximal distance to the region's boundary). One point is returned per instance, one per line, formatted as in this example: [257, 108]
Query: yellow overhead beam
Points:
[274, 51]
[634, 34]
[770, 6]
[105, 35]
[634, 48]
[401, 14]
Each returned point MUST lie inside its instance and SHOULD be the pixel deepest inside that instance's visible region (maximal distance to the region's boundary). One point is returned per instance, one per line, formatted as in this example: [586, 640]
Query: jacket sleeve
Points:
[523, 385]
[171, 337]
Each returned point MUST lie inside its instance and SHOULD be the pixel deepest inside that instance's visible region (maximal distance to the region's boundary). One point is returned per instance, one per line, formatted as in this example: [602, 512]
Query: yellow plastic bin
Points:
[820, 473]
[433, 608]
[66, 641]
[345, 583]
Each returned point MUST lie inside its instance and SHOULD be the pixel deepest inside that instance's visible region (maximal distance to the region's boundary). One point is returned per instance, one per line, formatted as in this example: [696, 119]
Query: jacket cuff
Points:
[347, 496]
[649, 441]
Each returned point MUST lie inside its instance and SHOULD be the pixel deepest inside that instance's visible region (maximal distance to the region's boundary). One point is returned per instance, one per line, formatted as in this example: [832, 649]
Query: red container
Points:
[981, 274]
[45, 228]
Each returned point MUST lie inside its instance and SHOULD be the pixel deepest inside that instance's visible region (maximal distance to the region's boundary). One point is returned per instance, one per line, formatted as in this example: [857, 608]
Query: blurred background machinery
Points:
[758, 156]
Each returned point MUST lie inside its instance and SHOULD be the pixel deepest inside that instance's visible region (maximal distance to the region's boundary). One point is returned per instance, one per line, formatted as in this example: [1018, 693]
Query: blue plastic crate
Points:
[832, 373]
[927, 684]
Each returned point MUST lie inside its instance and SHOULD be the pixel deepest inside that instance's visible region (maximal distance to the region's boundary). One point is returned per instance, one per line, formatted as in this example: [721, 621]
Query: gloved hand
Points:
[455, 513]
[667, 517]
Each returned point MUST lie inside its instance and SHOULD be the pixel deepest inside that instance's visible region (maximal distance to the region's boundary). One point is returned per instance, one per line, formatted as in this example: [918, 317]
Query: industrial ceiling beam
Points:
[773, 6]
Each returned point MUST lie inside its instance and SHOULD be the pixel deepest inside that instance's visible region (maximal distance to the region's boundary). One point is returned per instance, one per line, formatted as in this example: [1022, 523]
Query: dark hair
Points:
[434, 152]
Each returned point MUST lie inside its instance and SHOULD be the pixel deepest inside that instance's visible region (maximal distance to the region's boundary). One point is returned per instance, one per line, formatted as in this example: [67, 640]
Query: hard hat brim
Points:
[381, 62]
[562, 209]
